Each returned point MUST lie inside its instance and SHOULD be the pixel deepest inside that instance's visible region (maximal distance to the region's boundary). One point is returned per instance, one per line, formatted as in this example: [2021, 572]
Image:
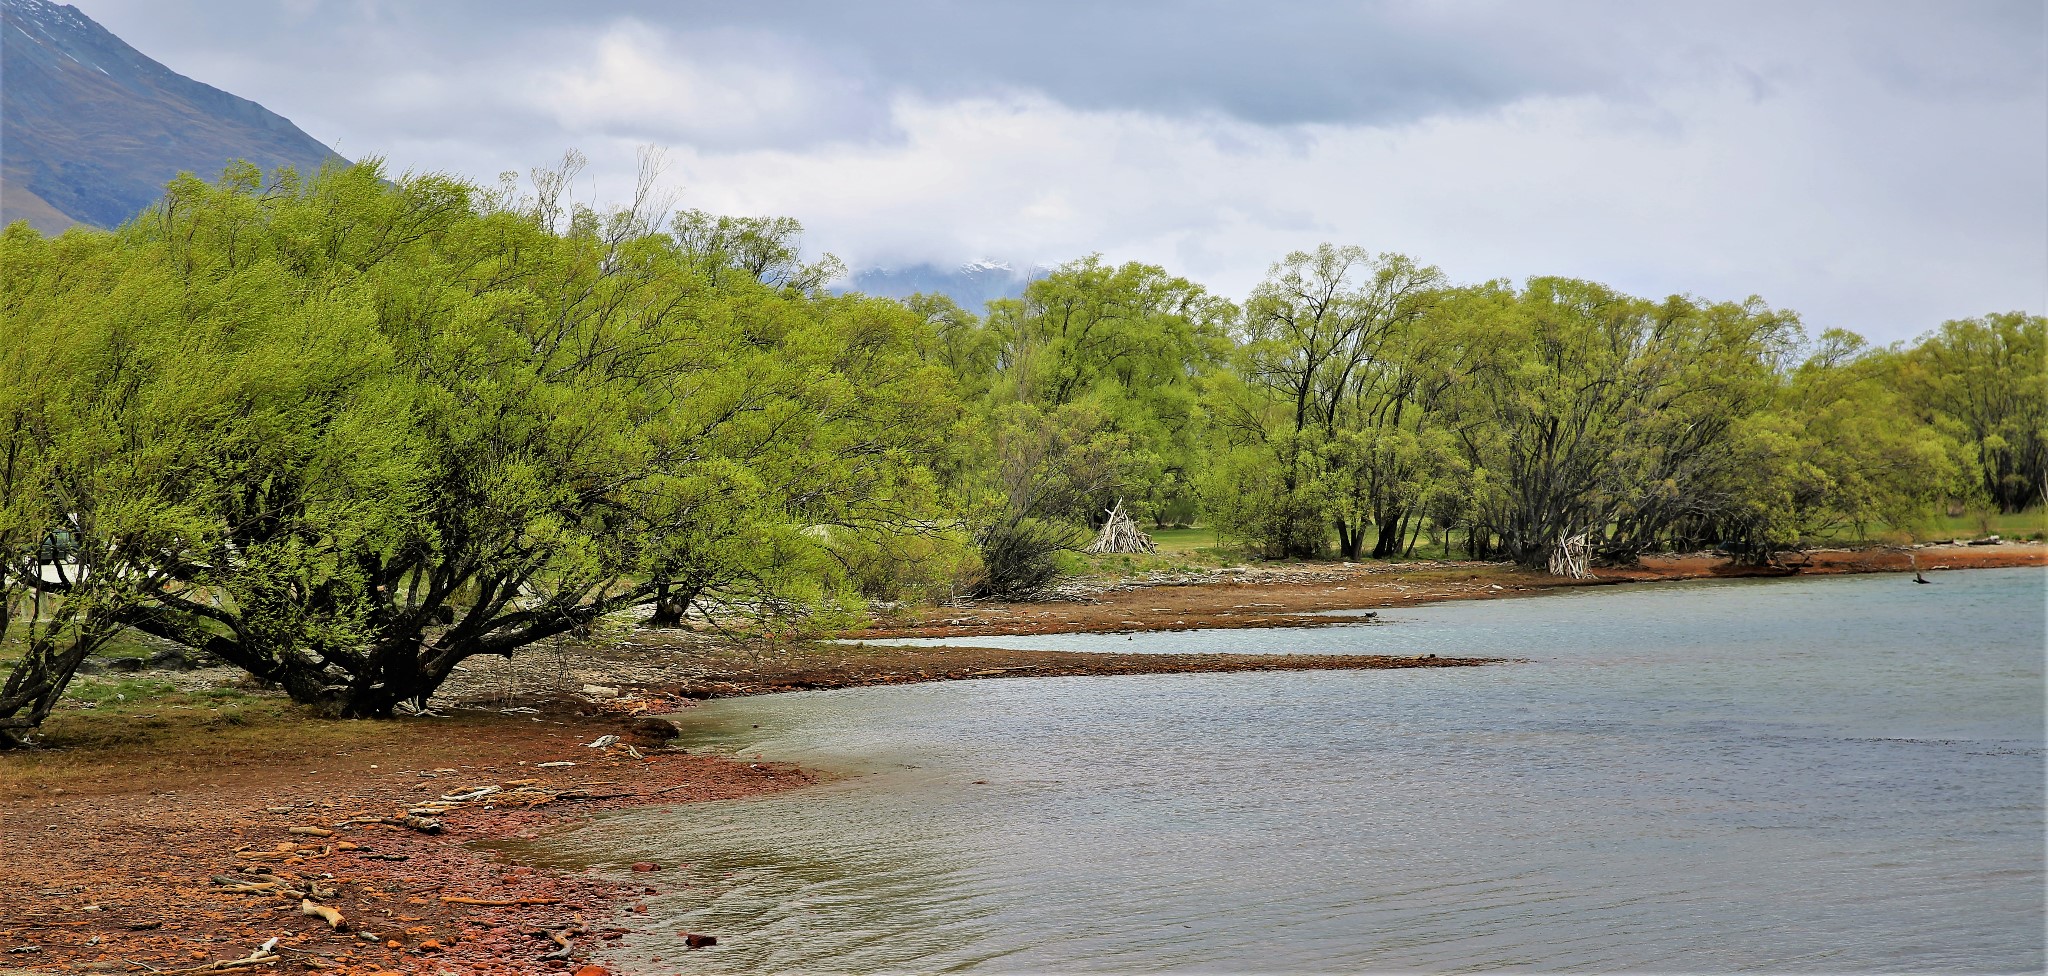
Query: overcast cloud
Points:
[1879, 167]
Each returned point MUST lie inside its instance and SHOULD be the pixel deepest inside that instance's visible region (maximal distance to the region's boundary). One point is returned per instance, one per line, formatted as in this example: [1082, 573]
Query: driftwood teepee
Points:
[1120, 534]
[1573, 556]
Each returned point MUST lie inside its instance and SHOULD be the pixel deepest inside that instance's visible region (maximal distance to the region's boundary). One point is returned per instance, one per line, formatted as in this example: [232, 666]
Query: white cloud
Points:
[1724, 196]
[1875, 166]
[710, 88]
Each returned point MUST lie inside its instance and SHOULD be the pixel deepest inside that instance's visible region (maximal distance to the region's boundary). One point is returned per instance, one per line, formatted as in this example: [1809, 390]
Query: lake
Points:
[1837, 774]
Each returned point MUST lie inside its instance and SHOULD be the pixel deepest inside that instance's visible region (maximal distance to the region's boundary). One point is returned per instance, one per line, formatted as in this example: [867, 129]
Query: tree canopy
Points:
[349, 430]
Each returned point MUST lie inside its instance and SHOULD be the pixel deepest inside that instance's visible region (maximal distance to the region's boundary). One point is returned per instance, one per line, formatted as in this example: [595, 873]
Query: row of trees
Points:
[348, 432]
[1357, 401]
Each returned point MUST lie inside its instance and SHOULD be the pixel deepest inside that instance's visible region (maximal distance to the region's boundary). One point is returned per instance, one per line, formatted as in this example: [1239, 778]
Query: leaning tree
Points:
[501, 421]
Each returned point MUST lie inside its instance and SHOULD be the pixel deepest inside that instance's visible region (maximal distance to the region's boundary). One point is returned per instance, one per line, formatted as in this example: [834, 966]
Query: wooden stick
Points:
[560, 939]
[260, 959]
[334, 919]
[500, 903]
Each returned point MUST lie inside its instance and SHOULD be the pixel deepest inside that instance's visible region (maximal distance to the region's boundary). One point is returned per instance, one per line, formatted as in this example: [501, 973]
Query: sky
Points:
[1875, 166]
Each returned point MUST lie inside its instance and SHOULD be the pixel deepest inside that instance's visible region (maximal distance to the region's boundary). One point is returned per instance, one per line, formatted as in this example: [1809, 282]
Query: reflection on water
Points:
[1820, 775]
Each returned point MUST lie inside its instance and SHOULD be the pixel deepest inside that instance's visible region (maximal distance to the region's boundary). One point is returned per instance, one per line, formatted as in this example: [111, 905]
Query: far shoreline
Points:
[1295, 595]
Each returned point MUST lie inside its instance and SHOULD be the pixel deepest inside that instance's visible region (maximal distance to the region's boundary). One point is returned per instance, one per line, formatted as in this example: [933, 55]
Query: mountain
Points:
[971, 285]
[91, 129]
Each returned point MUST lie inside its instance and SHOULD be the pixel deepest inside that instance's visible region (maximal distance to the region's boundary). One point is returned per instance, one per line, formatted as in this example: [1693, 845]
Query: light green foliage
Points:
[348, 431]
[1086, 390]
[1330, 419]
[1842, 449]
[1985, 382]
[410, 402]
[1125, 346]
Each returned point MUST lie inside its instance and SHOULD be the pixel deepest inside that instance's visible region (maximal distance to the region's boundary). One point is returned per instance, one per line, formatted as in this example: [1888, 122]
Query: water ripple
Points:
[1807, 776]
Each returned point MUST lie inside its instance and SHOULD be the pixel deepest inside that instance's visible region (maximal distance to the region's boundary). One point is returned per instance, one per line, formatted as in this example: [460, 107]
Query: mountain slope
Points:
[970, 285]
[91, 129]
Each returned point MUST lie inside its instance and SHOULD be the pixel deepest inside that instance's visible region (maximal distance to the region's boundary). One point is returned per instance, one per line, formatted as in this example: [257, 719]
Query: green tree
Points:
[1986, 380]
[502, 422]
[1331, 379]
[1611, 417]
[1132, 342]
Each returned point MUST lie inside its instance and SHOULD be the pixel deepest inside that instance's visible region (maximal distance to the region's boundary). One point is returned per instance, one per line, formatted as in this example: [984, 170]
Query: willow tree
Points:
[145, 409]
[58, 382]
[1986, 380]
[1611, 417]
[1839, 448]
[1126, 344]
[1328, 374]
[536, 419]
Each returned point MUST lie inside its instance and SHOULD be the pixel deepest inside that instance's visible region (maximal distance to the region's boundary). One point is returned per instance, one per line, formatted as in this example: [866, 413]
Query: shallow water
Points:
[1836, 774]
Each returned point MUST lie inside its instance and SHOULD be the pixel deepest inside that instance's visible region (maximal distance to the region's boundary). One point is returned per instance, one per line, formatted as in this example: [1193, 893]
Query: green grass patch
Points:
[1179, 551]
[2030, 524]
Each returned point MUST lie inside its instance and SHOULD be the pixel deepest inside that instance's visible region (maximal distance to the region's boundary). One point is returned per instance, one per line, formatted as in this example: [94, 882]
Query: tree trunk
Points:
[1388, 543]
[1350, 538]
[38, 680]
[668, 611]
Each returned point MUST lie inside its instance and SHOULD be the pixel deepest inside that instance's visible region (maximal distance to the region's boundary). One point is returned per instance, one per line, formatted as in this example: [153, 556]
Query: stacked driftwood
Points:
[1572, 556]
[1120, 534]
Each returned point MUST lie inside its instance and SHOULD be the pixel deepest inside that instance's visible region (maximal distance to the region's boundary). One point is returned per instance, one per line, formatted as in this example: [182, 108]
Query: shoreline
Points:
[114, 843]
[114, 866]
[1291, 596]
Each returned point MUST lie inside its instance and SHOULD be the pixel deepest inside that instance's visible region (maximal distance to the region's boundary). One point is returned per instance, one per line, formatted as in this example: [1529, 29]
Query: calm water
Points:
[1823, 775]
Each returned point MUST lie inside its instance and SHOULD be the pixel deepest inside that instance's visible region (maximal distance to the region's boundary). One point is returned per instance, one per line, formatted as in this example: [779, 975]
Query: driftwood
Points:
[263, 956]
[500, 902]
[1120, 534]
[560, 937]
[333, 918]
[1571, 556]
[425, 825]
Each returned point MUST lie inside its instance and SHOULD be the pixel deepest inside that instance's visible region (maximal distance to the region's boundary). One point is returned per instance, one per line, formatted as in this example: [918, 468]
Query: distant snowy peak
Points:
[972, 285]
[52, 19]
[63, 29]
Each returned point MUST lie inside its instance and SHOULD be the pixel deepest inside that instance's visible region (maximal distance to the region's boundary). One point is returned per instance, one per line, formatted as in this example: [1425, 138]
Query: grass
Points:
[1192, 539]
[2030, 524]
[1181, 550]
[127, 643]
[138, 711]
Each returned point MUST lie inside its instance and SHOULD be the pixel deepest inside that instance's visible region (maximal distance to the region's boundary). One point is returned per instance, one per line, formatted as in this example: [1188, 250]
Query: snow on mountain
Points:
[972, 285]
[91, 129]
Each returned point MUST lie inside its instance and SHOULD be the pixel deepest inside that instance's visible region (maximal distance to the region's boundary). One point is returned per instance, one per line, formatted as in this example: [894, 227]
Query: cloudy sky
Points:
[1875, 166]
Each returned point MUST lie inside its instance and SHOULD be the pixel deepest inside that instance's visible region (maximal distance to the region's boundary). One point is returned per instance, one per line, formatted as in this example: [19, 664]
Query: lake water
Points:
[1839, 774]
